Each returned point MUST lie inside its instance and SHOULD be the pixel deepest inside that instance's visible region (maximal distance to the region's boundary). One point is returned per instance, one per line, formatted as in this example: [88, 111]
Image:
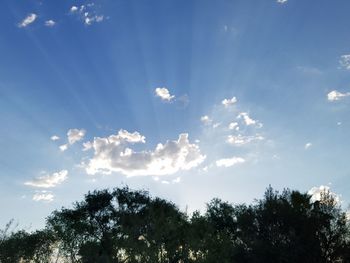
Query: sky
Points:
[189, 99]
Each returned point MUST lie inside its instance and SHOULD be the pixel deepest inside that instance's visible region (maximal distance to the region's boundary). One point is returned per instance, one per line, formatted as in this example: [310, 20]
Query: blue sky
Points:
[190, 99]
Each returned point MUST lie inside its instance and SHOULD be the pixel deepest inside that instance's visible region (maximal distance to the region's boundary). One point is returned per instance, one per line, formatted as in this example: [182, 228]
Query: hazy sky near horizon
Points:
[190, 99]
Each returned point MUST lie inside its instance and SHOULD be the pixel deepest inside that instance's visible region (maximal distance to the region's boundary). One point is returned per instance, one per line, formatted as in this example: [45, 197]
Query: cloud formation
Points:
[335, 95]
[206, 120]
[164, 94]
[75, 135]
[282, 1]
[239, 139]
[45, 196]
[307, 145]
[228, 162]
[345, 61]
[112, 154]
[87, 13]
[28, 20]
[229, 102]
[54, 138]
[49, 181]
[247, 120]
[50, 23]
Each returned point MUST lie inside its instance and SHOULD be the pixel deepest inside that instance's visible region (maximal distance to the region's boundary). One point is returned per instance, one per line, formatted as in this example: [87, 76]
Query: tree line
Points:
[128, 226]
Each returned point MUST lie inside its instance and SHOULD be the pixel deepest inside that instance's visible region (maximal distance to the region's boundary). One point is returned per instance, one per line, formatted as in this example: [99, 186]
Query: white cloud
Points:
[87, 13]
[229, 102]
[111, 154]
[206, 120]
[239, 140]
[307, 145]
[228, 162]
[335, 95]
[164, 94]
[215, 125]
[282, 1]
[88, 20]
[247, 120]
[87, 146]
[49, 181]
[73, 9]
[43, 196]
[233, 126]
[75, 135]
[318, 192]
[345, 61]
[54, 138]
[28, 20]
[63, 147]
[50, 23]
[176, 180]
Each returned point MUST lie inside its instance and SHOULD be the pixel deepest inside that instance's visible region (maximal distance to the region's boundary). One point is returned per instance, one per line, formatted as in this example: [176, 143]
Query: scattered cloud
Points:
[73, 9]
[233, 126]
[307, 145]
[247, 120]
[318, 192]
[50, 23]
[335, 95]
[239, 140]
[345, 61]
[229, 102]
[282, 1]
[45, 196]
[28, 20]
[75, 135]
[49, 181]
[54, 138]
[164, 94]
[176, 180]
[228, 162]
[206, 120]
[112, 154]
[87, 13]
[63, 147]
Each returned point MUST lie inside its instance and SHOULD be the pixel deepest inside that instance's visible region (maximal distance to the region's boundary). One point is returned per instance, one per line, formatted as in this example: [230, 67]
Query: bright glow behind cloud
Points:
[112, 154]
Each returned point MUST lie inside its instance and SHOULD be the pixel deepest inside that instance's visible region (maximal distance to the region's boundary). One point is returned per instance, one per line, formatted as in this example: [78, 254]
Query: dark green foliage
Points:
[132, 227]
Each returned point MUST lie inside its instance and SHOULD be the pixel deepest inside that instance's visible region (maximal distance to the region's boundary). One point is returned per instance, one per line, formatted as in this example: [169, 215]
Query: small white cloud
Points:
[49, 181]
[28, 20]
[112, 154]
[233, 125]
[165, 182]
[345, 61]
[229, 102]
[318, 192]
[206, 120]
[87, 146]
[247, 120]
[164, 94]
[63, 147]
[92, 19]
[239, 140]
[335, 95]
[75, 135]
[215, 125]
[228, 162]
[282, 1]
[307, 145]
[43, 196]
[73, 9]
[176, 180]
[54, 138]
[339, 123]
[50, 23]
